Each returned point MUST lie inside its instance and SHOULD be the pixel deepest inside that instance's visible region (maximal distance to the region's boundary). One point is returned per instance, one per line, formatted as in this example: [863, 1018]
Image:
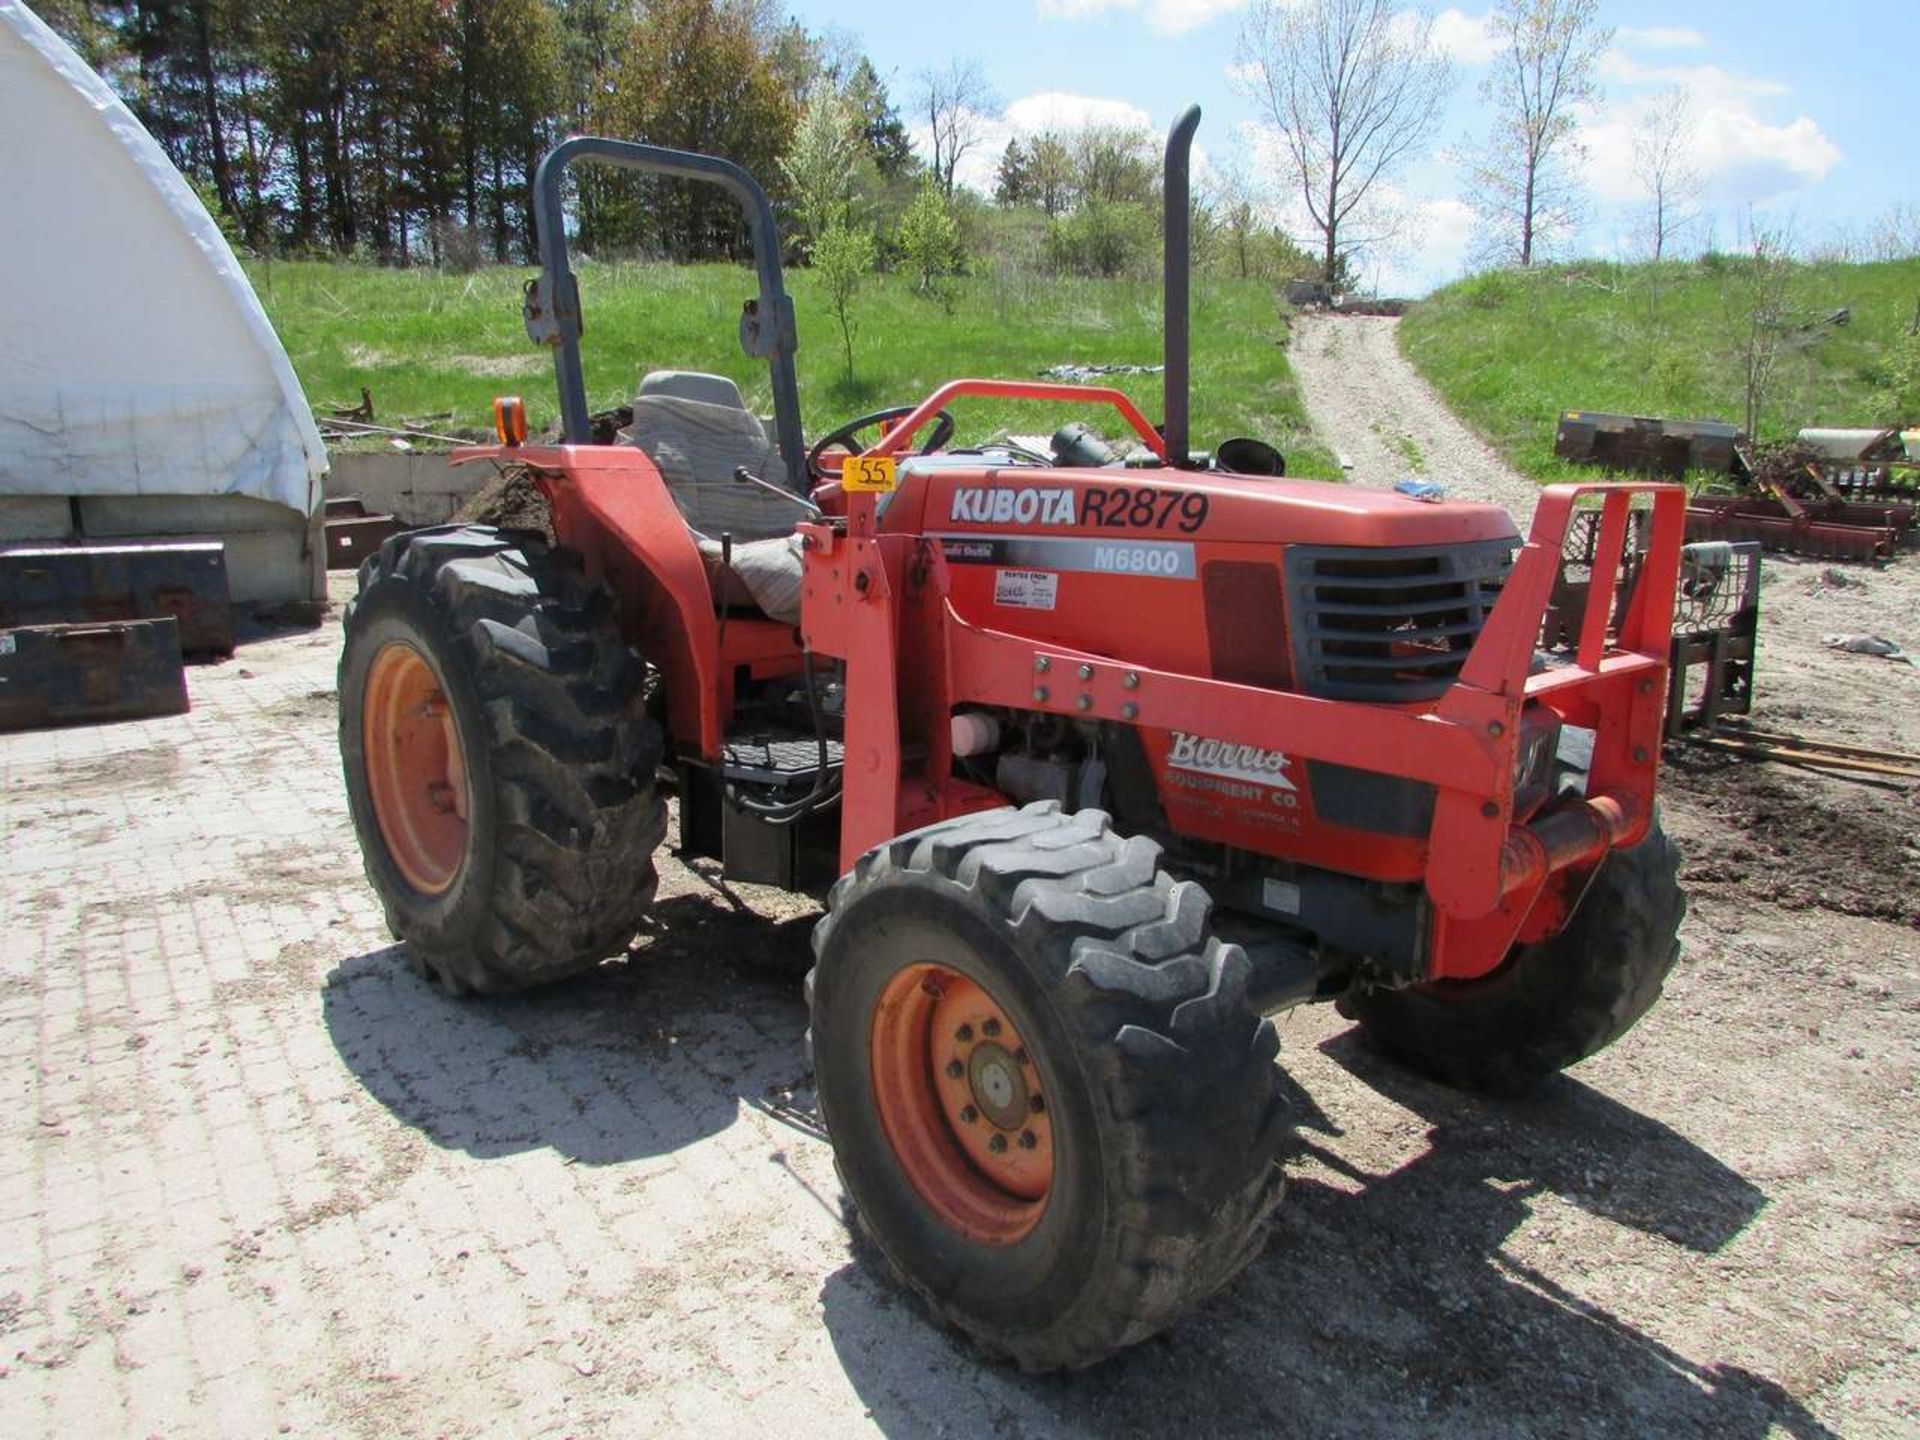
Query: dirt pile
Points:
[510, 501]
[1803, 841]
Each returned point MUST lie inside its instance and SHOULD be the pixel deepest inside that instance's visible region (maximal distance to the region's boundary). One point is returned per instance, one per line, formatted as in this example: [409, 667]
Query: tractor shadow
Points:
[642, 1056]
[1387, 1304]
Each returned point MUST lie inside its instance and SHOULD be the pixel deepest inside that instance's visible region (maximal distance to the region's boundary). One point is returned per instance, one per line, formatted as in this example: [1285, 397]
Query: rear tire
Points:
[532, 857]
[1551, 1004]
[1158, 1165]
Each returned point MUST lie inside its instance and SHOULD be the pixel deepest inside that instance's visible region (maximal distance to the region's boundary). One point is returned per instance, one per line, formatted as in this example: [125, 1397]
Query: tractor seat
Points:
[697, 430]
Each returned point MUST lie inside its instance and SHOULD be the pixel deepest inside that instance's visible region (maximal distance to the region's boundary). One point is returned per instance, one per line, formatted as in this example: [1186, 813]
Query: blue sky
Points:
[1803, 113]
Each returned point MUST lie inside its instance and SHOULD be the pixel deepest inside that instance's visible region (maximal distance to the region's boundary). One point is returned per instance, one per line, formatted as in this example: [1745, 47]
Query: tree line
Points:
[408, 131]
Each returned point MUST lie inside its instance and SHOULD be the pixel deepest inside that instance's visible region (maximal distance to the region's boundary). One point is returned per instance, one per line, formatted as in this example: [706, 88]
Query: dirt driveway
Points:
[256, 1178]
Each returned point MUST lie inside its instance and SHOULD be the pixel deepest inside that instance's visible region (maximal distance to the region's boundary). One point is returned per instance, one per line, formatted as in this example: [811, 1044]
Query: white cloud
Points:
[1439, 235]
[1059, 111]
[1742, 156]
[1169, 17]
[1704, 82]
[1659, 37]
[1466, 38]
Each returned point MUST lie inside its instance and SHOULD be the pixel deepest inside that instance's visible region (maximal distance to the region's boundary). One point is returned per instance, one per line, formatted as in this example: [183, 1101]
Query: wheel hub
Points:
[416, 768]
[962, 1104]
[999, 1089]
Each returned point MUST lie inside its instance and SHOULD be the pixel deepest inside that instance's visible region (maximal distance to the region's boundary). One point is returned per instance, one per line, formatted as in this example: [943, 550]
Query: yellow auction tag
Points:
[869, 474]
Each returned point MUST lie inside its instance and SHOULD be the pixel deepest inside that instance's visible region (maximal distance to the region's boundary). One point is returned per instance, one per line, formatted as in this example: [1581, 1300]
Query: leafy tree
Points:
[1013, 183]
[1101, 238]
[1115, 165]
[693, 77]
[823, 165]
[843, 257]
[1522, 178]
[397, 129]
[929, 240]
[1897, 400]
[592, 32]
[1051, 165]
[880, 123]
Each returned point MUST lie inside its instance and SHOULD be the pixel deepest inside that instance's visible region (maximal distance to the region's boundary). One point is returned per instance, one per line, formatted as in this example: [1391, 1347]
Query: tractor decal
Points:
[1150, 559]
[1142, 507]
[1028, 505]
[1249, 763]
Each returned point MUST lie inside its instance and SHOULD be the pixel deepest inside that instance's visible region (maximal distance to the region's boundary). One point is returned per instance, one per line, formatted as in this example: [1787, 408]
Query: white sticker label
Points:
[1026, 589]
[7, 642]
[1281, 895]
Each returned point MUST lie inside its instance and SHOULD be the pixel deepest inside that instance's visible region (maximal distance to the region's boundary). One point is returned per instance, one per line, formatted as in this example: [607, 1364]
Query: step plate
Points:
[774, 760]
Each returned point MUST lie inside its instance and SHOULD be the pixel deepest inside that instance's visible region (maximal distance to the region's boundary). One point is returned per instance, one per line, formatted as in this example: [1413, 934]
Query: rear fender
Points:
[611, 504]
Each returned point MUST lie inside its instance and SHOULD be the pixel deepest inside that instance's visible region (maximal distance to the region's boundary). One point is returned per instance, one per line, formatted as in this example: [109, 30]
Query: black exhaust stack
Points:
[1175, 318]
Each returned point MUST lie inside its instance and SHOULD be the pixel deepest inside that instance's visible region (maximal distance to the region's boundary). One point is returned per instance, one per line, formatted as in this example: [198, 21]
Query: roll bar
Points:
[553, 299]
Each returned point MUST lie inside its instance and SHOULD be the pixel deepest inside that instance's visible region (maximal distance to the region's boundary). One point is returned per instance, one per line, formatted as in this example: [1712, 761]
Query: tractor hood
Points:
[953, 497]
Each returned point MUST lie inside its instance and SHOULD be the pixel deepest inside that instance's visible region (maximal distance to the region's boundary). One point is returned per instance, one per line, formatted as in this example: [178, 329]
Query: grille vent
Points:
[1389, 625]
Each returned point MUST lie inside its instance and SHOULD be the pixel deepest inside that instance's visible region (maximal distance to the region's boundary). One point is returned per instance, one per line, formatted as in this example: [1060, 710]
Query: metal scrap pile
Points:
[1832, 494]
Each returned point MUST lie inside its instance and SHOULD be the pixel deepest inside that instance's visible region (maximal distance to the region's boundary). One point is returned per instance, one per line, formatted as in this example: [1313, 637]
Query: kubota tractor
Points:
[1114, 754]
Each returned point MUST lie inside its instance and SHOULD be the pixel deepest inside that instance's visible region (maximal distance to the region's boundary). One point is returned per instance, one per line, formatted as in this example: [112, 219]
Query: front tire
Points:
[1050, 1103]
[1551, 1004]
[499, 763]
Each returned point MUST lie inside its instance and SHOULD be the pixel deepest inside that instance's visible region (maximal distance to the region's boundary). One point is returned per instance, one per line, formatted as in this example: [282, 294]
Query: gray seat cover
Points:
[698, 431]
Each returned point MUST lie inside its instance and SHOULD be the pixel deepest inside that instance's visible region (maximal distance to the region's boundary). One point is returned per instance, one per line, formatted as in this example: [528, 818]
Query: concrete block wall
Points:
[414, 489]
[274, 555]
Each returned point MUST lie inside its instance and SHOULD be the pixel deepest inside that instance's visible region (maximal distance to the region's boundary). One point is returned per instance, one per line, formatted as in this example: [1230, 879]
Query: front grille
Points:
[1389, 624]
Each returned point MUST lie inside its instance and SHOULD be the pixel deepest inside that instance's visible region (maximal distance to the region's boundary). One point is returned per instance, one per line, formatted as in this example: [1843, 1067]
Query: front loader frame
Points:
[880, 602]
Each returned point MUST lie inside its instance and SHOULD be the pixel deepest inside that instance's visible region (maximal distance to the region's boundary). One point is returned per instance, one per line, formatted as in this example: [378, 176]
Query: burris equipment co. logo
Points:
[1248, 763]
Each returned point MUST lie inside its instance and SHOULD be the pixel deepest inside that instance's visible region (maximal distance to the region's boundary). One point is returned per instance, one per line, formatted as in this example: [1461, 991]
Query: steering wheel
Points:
[844, 438]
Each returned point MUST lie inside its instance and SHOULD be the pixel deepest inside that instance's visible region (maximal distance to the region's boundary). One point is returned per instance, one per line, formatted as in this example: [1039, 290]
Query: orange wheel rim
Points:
[962, 1105]
[416, 772]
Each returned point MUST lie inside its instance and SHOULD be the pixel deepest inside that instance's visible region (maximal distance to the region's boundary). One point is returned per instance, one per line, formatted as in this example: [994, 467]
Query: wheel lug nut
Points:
[963, 1034]
[955, 1069]
[997, 1143]
[1036, 1104]
[968, 1114]
[990, 1027]
[931, 989]
[1027, 1140]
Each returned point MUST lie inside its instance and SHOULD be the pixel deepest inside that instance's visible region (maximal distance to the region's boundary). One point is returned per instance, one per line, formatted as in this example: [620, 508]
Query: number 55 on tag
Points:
[868, 474]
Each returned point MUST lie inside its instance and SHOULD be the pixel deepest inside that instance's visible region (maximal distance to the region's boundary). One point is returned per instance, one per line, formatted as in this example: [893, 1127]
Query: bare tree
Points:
[1353, 89]
[1662, 149]
[1756, 297]
[1896, 233]
[956, 101]
[1521, 176]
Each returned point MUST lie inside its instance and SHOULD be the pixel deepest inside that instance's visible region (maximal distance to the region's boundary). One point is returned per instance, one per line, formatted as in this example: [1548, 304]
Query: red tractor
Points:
[1113, 754]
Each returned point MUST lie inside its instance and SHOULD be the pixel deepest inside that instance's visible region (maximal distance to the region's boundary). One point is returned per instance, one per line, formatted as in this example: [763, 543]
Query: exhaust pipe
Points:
[1175, 320]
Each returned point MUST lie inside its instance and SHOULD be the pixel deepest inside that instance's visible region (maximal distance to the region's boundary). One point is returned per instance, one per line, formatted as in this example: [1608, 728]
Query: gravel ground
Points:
[256, 1178]
[1384, 422]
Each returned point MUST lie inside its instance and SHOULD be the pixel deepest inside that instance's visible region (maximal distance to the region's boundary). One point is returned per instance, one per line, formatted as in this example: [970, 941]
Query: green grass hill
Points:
[1509, 350]
[426, 342]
